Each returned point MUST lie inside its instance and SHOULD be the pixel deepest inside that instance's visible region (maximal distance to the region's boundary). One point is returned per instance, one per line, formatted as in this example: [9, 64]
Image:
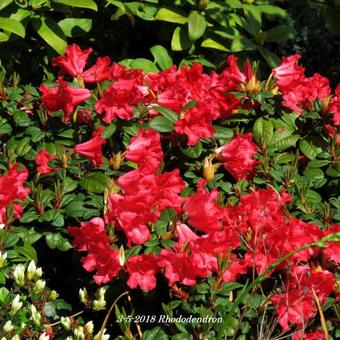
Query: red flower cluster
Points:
[11, 189]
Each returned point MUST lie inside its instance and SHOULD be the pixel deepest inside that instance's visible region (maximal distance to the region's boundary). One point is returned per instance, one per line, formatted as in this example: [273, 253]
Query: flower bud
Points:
[19, 275]
[38, 273]
[15, 337]
[31, 270]
[88, 328]
[8, 326]
[98, 304]
[79, 333]
[121, 255]
[39, 286]
[66, 322]
[35, 315]
[101, 293]
[3, 257]
[16, 304]
[2, 226]
[53, 295]
[83, 296]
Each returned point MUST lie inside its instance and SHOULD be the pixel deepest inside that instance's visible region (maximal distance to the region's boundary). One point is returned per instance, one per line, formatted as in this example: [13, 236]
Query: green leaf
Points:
[180, 40]
[73, 27]
[308, 149]
[272, 10]
[271, 59]
[49, 30]
[53, 240]
[286, 142]
[242, 43]
[211, 43]
[162, 124]
[170, 15]
[280, 33]
[156, 333]
[162, 57]
[95, 182]
[196, 25]
[223, 133]
[5, 3]
[5, 296]
[12, 26]
[314, 173]
[193, 152]
[109, 131]
[88, 4]
[167, 113]
[145, 64]
[263, 131]
[252, 21]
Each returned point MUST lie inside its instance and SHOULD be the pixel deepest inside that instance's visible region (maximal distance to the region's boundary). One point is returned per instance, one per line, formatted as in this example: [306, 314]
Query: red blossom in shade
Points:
[99, 72]
[238, 156]
[119, 98]
[142, 270]
[145, 149]
[42, 160]
[297, 305]
[17, 212]
[73, 62]
[63, 97]
[203, 211]
[92, 149]
[315, 335]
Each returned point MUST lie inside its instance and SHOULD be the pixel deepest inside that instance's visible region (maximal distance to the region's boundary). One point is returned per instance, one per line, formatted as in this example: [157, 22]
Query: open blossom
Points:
[63, 97]
[42, 160]
[238, 156]
[74, 61]
[92, 149]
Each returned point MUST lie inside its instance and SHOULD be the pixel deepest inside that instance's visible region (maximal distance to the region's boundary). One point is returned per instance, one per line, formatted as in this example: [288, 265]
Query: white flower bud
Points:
[53, 295]
[16, 304]
[8, 326]
[31, 270]
[3, 257]
[2, 226]
[83, 296]
[98, 304]
[103, 337]
[39, 286]
[66, 322]
[38, 273]
[79, 333]
[35, 315]
[44, 336]
[19, 275]
[15, 337]
[88, 328]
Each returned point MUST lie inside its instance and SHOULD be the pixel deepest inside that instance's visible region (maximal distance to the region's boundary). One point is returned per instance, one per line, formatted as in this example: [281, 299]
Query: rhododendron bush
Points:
[184, 193]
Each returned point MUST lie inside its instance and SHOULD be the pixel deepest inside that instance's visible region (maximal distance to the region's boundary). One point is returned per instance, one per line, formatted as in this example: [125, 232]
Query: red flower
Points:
[99, 72]
[145, 149]
[289, 71]
[92, 149]
[63, 97]
[315, 335]
[118, 100]
[333, 248]
[238, 156]
[142, 270]
[42, 159]
[73, 62]
[203, 211]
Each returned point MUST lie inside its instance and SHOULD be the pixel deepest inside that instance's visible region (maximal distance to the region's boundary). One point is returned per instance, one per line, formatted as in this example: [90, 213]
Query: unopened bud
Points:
[19, 275]
[83, 296]
[66, 322]
[15, 337]
[44, 336]
[3, 257]
[8, 326]
[31, 270]
[16, 304]
[88, 328]
[121, 255]
[103, 337]
[35, 315]
[39, 286]
[53, 295]
[79, 333]
[98, 304]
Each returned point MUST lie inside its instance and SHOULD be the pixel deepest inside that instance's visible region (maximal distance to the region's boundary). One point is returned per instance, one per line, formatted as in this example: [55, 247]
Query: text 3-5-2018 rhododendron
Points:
[209, 179]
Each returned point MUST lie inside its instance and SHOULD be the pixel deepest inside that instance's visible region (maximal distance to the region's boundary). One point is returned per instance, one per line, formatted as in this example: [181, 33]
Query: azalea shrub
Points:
[201, 205]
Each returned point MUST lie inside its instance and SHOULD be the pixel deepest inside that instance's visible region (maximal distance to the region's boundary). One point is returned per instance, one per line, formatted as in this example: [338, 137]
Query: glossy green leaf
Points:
[286, 142]
[272, 10]
[242, 43]
[88, 4]
[280, 33]
[145, 64]
[308, 149]
[167, 113]
[271, 59]
[5, 3]
[162, 57]
[12, 26]
[263, 131]
[196, 25]
[73, 27]
[49, 30]
[194, 151]
[180, 40]
[170, 15]
[211, 43]
[95, 182]
[162, 124]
